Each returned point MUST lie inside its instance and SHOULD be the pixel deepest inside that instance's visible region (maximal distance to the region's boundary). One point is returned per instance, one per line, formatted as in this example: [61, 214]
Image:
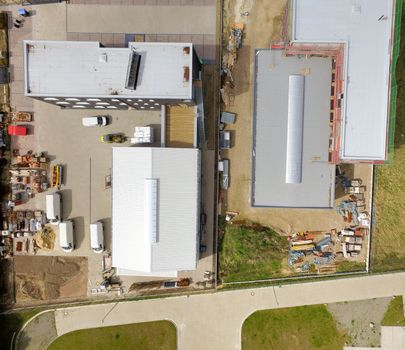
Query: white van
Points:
[97, 237]
[66, 239]
[53, 207]
[100, 120]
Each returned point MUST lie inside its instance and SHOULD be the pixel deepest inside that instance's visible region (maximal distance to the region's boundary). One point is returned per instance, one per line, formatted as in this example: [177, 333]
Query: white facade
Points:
[155, 210]
[365, 28]
[76, 74]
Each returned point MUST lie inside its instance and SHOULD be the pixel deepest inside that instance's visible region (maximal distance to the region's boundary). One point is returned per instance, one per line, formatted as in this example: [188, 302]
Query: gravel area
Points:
[357, 318]
[39, 333]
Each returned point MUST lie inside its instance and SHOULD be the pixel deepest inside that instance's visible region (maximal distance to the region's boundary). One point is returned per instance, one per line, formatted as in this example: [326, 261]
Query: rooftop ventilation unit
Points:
[151, 208]
[132, 71]
[293, 173]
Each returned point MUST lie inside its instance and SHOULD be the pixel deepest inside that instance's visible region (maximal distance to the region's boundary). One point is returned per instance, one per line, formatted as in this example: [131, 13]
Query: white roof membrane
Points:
[85, 69]
[155, 209]
[365, 27]
[295, 125]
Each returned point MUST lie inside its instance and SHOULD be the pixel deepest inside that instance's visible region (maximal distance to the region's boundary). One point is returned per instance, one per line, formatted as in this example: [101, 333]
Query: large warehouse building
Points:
[364, 28]
[84, 74]
[321, 99]
[291, 132]
[155, 215]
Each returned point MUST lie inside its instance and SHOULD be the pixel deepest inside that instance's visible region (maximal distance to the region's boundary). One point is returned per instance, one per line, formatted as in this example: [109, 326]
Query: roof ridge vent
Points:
[133, 70]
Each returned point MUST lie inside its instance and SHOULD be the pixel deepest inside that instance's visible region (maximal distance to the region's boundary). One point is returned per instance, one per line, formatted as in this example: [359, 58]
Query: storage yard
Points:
[327, 237]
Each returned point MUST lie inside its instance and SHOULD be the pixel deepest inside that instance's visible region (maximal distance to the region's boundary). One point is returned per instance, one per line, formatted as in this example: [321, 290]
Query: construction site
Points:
[324, 207]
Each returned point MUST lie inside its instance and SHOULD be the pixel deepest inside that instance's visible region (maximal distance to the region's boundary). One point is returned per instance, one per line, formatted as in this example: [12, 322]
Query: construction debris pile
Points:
[353, 208]
[29, 175]
[322, 252]
[45, 238]
[21, 227]
[228, 61]
[159, 285]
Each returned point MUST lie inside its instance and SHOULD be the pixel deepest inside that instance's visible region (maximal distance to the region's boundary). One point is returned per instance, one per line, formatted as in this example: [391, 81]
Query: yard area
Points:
[141, 336]
[251, 252]
[306, 327]
[388, 251]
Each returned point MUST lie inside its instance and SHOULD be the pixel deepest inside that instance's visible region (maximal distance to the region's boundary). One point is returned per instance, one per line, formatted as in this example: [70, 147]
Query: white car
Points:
[99, 120]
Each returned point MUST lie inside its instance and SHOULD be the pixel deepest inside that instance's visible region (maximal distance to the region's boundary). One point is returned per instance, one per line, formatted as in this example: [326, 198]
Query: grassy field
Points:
[350, 266]
[159, 335]
[250, 252]
[303, 328]
[388, 246]
[394, 316]
[12, 323]
[400, 79]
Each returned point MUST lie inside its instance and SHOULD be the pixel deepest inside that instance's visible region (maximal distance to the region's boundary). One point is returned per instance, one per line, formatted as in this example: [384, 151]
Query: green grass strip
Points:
[393, 97]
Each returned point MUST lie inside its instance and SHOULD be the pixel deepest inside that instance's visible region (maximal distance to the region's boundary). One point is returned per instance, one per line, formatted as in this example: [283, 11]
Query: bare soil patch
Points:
[45, 278]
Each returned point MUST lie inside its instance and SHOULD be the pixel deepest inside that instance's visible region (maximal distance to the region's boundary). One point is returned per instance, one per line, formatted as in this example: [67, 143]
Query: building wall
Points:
[111, 103]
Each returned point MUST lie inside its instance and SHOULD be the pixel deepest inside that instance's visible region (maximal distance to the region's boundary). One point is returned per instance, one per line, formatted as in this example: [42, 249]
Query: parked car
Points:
[99, 120]
[113, 138]
[17, 130]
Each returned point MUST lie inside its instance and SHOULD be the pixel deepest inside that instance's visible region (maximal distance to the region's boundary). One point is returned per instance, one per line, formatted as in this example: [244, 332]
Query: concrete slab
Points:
[392, 338]
[140, 19]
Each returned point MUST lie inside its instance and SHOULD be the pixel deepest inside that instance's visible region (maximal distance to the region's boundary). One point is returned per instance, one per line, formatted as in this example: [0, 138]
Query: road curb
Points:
[17, 338]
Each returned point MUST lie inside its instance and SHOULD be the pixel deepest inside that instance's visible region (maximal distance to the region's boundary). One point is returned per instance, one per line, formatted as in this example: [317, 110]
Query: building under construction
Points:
[322, 97]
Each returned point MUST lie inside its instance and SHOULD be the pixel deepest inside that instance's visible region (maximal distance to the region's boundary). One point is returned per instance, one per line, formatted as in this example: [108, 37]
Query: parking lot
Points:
[87, 161]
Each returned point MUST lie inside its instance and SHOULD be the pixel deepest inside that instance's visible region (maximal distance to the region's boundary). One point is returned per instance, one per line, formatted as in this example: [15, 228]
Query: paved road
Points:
[213, 321]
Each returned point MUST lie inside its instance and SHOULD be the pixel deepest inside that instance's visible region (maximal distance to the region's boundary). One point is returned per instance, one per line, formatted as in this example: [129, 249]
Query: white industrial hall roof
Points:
[86, 69]
[365, 27]
[155, 210]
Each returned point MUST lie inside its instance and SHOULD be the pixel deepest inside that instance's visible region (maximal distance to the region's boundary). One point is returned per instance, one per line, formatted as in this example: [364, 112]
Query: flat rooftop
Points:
[85, 69]
[155, 210]
[269, 187]
[365, 26]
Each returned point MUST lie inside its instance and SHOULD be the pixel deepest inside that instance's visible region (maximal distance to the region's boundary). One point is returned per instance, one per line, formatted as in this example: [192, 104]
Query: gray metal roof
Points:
[269, 187]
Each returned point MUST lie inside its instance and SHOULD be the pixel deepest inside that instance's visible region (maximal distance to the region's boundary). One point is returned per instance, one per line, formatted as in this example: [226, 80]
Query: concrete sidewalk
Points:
[142, 19]
[214, 321]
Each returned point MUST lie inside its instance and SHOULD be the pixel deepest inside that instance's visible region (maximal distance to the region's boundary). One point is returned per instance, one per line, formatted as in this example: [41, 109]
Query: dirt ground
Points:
[46, 277]
[262, 26]
[210, 82]
[355, 318]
